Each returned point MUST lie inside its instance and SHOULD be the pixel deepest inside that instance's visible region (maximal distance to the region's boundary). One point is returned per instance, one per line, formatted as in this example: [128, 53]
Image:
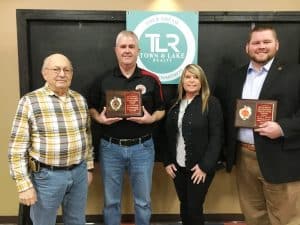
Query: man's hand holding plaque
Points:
[252, 113]
[123, 103]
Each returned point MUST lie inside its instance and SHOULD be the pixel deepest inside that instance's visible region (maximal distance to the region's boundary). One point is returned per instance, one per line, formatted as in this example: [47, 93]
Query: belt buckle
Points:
[121, 141]
[248, 146]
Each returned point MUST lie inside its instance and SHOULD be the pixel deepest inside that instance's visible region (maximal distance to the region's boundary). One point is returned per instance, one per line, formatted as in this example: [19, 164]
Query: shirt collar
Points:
[136, 72]
[265, 67]
[52, 93]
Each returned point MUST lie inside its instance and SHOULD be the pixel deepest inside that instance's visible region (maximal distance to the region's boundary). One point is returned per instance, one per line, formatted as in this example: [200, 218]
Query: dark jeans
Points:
[191, 196]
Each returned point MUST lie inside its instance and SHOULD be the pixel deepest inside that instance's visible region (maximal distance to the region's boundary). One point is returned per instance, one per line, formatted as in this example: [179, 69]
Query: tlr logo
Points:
[167, 45]
[155, 43]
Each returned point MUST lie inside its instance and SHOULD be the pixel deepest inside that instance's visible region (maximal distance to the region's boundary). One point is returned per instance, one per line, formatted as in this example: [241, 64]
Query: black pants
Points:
[191, 196]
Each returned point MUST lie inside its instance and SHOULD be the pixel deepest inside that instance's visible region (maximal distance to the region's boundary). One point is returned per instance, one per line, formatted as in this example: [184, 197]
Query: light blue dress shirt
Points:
[251, 90]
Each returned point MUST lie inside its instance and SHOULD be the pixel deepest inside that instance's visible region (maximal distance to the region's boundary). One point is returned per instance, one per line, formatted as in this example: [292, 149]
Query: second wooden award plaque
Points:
[251, 113]
[123, 103]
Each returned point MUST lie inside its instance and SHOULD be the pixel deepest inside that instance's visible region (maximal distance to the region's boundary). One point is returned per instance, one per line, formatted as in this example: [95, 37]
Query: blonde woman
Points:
[194, 127]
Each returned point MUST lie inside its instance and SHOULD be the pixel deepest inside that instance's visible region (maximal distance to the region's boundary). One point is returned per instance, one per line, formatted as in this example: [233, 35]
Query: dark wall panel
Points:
[88, 38]
[88, 45]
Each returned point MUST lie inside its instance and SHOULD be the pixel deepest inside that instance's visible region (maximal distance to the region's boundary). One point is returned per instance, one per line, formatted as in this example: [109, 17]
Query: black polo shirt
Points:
[152, 99]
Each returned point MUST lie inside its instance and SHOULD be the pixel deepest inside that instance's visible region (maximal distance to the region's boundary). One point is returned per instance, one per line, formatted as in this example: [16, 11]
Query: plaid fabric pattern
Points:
[53, 130]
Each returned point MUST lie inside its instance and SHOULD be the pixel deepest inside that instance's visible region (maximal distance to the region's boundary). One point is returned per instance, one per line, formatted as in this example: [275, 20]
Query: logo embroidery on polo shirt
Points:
[141, 87]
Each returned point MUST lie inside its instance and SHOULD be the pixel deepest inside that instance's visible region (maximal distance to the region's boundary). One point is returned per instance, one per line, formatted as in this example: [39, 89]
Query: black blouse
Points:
[202, 134]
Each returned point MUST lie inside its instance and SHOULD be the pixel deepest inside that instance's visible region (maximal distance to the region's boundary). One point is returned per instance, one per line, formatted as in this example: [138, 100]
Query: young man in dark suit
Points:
[267, 157]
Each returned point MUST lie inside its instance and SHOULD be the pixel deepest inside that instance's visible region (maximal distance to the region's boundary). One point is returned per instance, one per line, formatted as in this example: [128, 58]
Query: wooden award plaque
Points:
[251, 113]
[123, 103]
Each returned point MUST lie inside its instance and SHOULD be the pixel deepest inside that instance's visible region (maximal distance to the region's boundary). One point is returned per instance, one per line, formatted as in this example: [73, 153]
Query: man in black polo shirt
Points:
[126, 143]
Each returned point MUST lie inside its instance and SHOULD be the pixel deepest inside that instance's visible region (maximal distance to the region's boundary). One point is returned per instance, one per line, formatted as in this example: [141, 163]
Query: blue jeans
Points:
[138, 161]
[67, 188]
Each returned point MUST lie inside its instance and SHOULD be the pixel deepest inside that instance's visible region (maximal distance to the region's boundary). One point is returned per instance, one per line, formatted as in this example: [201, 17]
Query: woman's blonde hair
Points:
[204, 90]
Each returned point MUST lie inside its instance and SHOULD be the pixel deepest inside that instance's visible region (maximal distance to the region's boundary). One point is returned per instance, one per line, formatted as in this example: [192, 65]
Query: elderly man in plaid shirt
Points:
[50, 149]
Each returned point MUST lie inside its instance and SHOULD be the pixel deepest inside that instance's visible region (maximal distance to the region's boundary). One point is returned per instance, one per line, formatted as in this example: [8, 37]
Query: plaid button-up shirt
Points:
[52, 130]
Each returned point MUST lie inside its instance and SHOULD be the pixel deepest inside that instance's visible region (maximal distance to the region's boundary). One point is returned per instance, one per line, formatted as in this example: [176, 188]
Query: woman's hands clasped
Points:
[197, 176]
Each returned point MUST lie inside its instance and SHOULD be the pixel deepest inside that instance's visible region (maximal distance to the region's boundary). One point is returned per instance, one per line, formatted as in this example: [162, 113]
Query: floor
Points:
[166, 223]
[208, 223]
[178, 223]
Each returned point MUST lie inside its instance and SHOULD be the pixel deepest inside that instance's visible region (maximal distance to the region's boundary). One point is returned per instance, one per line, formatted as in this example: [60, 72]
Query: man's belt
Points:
[250, 147]
[127, 141]
[35, 166]
[49, 167]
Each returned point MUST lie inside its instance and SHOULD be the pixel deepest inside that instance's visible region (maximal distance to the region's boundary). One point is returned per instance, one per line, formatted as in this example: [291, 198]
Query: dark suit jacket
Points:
[279, 159]
[202, 134]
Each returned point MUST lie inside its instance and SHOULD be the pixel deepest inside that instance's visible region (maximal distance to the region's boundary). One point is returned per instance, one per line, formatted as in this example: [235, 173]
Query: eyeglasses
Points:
[58, 70]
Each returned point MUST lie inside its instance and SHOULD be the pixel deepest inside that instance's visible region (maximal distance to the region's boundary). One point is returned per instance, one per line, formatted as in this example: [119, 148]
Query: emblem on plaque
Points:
[115, 103]
[245, 112]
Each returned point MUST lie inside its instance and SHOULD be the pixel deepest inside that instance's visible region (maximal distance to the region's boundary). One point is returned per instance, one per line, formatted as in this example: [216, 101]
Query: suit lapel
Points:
[273, 74]
[239, 81]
